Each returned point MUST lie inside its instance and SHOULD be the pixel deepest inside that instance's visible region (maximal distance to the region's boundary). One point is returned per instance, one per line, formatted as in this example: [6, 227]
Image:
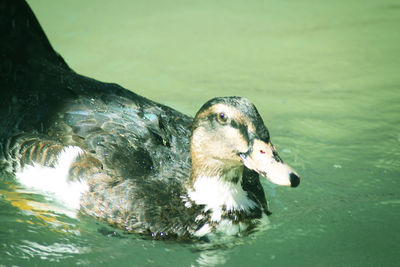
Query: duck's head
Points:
[229, 133]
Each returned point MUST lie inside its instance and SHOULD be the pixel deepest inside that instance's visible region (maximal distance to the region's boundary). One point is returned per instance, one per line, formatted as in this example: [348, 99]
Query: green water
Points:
[325, 76]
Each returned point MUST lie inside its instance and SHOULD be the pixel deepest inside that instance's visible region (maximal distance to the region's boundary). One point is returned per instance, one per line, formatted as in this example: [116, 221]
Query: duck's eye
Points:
[222, 118]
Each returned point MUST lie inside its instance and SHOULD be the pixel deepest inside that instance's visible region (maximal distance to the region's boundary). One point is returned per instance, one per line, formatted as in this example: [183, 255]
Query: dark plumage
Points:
[137, 158]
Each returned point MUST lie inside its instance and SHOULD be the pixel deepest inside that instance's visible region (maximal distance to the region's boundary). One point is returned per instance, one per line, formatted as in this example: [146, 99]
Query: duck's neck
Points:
[219, 191]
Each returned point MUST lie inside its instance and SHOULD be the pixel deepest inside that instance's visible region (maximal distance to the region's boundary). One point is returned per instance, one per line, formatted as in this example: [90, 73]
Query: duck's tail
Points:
[22, 40]
[31, 72]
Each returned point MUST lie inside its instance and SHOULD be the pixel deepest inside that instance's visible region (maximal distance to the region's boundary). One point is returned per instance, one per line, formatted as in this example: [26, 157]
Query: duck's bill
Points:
[265, 160]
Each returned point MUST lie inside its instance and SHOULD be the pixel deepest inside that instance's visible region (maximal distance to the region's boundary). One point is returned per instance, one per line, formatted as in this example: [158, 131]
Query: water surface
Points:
[325, 78]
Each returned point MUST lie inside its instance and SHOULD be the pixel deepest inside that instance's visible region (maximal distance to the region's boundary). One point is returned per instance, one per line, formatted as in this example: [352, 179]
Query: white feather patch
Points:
[204, 230]
[215, 193]
[54, 181]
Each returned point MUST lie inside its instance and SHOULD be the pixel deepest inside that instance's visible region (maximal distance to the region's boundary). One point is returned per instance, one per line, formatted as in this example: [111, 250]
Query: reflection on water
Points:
[212, 258]
[52, 252]
[42, 210]
[323, 75]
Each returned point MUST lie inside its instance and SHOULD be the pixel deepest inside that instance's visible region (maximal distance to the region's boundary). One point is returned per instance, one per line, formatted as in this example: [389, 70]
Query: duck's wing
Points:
[132, 137]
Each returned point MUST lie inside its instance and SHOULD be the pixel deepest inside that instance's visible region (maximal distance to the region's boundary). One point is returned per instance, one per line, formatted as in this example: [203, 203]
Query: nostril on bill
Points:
[294, 179]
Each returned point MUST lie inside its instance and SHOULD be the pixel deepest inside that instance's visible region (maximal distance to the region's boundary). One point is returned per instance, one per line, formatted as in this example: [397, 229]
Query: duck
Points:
[123, 159]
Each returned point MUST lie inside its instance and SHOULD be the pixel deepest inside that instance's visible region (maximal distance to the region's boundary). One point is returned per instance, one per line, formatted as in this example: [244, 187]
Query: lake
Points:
[325, 77]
